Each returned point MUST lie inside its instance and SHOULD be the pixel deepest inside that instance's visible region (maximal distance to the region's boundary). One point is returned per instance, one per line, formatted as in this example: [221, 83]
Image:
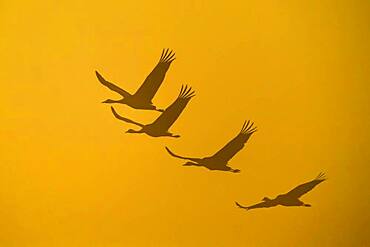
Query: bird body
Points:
[160, 127]
[288, 199]
[142, 99]
[219, 161]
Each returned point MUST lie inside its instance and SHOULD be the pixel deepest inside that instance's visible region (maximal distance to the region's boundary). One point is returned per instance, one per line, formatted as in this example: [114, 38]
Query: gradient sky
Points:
[70, 176]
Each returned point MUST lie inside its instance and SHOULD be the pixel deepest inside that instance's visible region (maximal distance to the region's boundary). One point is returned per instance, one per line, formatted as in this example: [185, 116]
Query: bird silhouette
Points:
[162, 124]
[142, 99]
[219, 161]
[289, 199]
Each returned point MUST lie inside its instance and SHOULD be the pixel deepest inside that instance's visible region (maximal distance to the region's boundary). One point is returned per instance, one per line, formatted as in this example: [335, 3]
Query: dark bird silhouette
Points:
[142, 99]
[219, 161]
[162, 124]
[289, 199]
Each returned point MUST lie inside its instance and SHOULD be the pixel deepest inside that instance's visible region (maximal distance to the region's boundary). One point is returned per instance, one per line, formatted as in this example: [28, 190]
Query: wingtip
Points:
[186, 91]
[167, 56]
[251, 131]
[245, 125]
[248, 127]
[321, 176]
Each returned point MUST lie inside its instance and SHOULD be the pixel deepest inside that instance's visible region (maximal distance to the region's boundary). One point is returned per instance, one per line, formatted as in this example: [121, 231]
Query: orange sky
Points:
[70, 176]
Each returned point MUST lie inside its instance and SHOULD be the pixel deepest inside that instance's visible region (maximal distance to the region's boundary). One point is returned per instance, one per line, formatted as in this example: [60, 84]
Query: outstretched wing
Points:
[154, 80]
[236, 144]
[258, 205]
[124, 119]
[306, 187]
[170, 115]
[111, 86]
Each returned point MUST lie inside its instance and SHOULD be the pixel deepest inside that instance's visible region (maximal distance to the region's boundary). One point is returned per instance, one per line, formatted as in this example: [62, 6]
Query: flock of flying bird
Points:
[142, 99]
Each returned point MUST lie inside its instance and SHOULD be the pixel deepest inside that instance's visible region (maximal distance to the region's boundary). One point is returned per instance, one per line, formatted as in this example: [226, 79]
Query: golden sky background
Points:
[70, 176]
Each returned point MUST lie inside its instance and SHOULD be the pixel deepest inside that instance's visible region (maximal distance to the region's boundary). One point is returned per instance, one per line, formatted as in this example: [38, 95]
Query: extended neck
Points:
[111, 101]
[135, 131]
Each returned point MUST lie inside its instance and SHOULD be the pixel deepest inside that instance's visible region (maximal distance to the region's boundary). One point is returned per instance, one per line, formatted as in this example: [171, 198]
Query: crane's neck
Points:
[135, 131]
[111, 101]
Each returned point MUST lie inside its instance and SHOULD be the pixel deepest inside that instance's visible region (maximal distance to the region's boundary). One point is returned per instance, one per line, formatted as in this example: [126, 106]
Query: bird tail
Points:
[241, 206]
[181, 157]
